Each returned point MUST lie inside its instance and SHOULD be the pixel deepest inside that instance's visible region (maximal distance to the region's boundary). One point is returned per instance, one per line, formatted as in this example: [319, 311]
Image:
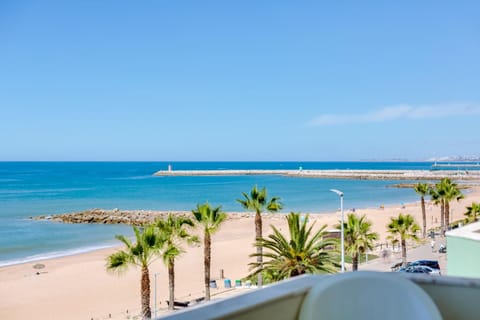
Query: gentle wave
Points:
[52, 255]
[33, 191]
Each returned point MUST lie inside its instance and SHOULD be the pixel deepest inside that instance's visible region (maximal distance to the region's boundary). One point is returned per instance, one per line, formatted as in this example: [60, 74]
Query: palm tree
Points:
[473, 211]
[422, 189]
[451, 192]
[174, 230]
[142, 254]
[403, 228]
[305, 252]
[358, 237]
[437, 194]
[210, 219]
[444, 192]
[258, 201]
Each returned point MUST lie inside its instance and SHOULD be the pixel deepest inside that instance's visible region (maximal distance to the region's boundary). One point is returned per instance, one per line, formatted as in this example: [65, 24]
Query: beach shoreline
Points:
[59, 290]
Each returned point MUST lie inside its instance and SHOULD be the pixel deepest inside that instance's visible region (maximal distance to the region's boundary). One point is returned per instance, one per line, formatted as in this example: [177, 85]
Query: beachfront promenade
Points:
[337, 174]
[421, 252]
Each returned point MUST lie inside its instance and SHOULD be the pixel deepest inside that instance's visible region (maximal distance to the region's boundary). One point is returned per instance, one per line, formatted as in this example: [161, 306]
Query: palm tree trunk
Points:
[355, 262]
[258, 235]
[442, 217]
[424, 217]
[447, 214]
[171, 283]
[206, 263]
[404, 252]
[145, 293]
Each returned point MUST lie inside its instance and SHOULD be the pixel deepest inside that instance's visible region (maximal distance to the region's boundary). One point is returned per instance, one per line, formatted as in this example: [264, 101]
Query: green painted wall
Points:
[463, 256]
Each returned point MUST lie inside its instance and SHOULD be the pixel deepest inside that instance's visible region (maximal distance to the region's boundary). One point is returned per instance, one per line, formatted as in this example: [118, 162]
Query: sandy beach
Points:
[78, 287]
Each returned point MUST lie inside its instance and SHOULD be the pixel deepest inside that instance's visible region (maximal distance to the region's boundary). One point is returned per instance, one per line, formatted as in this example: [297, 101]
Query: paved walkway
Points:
[422, 252]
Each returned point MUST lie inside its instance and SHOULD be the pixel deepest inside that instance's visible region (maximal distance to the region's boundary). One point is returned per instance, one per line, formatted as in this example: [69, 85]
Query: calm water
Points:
[37, 188]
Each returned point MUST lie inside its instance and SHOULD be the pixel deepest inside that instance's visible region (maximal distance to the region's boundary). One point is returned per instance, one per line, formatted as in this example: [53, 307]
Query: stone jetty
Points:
[337, 174]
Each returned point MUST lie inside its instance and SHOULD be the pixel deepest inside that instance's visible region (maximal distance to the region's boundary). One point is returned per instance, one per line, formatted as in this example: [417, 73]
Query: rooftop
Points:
[470, 231]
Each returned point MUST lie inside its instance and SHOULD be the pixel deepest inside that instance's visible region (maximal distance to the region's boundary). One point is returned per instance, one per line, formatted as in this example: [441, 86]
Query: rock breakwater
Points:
[132, 217]
[114, 216]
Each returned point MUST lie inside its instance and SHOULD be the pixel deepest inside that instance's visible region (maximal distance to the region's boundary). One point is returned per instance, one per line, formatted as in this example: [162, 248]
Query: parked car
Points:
[430, 271]
[429, 263]
[413, 270]
[421, 269]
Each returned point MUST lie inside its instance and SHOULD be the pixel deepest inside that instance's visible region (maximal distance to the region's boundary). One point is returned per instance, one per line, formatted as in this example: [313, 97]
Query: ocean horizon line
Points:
[240, 161]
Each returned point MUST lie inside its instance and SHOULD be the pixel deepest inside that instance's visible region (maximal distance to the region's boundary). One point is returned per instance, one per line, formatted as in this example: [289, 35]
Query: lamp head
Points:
[338, 192]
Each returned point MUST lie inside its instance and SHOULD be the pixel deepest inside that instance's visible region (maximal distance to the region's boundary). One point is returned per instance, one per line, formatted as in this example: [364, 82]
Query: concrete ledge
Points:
[456, 298]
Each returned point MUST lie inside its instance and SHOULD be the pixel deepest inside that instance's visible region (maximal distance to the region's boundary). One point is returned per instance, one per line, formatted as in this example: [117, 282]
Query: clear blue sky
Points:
[239, 80]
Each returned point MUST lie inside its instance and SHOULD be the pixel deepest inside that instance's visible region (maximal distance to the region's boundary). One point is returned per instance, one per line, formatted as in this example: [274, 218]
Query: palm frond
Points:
[473, 211]
[421, 188]
[403, 227]
[118, 262]
[210, 218]
[305, 251]
[124, 240]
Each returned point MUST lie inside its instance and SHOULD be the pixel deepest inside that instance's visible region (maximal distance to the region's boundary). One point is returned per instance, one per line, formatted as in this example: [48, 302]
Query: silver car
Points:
[422, 269]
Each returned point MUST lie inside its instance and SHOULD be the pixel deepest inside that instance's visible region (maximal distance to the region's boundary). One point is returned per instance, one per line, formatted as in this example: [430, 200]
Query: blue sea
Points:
[40, 188]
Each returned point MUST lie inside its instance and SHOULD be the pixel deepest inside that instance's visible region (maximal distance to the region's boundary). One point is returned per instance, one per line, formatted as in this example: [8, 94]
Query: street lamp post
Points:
[340, 194]
[155, 297]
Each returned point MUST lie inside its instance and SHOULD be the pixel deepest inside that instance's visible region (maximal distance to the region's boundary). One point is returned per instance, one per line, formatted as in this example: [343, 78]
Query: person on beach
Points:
[385, 254]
